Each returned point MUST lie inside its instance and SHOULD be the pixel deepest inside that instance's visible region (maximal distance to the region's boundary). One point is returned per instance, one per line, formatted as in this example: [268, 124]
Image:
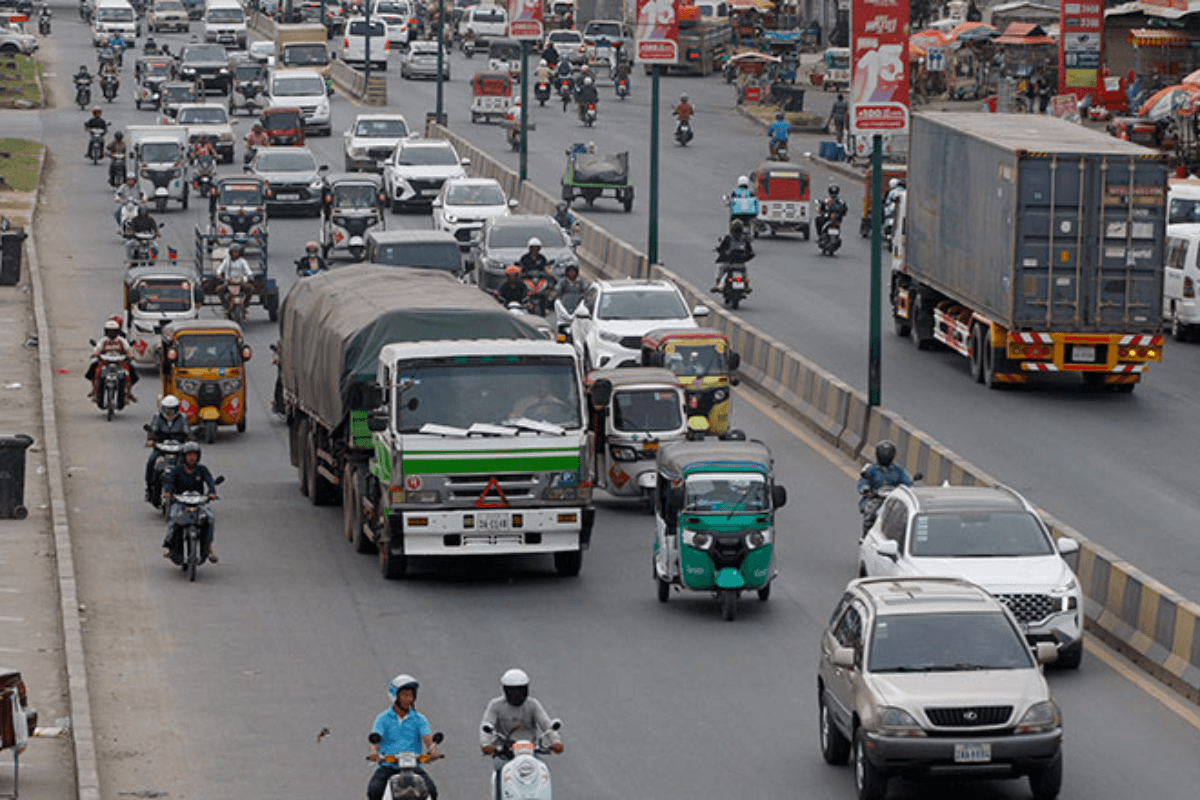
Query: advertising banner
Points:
[1080, 45]
[879, 32]
[525, 19]
[657, 32]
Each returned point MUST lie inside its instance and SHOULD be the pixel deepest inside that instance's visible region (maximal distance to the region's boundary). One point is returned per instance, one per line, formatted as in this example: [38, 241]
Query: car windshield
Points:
[282, 121]
[298, 54]
[425, 156]
[399, 9]
[248, 72]
[479, 194]
[205, 52]
[114, 14]
[727, 491]
[696, 359]
[423, 49]
[486, 390]
[168, 6]
[298, 86]
[226, 15]
[489, 15]
[519, 234]
[207, 350]
[946, 642]
[209, 115]
[381, 129]
[164, 296]
[641, 304]
[1183, 210]
[241, 194]
[995, 534]
[647, 410]
[262, 48]
[359, 28]
[159, 152]
[610, 29]
[355, 195]
[422, 255]
[296, 161]
[179, 94]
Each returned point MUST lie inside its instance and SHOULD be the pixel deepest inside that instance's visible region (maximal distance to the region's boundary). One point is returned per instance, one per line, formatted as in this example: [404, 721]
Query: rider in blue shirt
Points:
[778, 131]
[403, 730]
[883, 473]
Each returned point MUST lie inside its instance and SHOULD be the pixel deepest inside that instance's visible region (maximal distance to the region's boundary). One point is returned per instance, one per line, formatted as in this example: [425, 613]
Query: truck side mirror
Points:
[135, 294]
[778, 496]
[372, 395]
[377, 421]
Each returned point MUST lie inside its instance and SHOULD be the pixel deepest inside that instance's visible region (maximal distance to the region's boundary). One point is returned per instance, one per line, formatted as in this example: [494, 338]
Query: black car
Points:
[505, 239]
[208, 63]
[294, 181]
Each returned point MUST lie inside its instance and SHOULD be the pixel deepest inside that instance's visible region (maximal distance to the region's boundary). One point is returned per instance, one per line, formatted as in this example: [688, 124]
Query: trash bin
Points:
[10, 256]
[12, 475]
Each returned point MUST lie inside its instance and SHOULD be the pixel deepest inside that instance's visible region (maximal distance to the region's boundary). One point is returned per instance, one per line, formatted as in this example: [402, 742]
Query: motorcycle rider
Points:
[167, 425]
[257, 137]
[733, 250]
[113, 342]
[116, 152]
[832, 209]
[110, 70]
[513, 289]
[234, 268]
[311, 262]
[543, 73]
[622, 70]
[884, 473]
[515, 715]
[563, 216]
[96, 122]
[142, 222]
[683, 110]
[190, 476]
[571, 288]
[743, 203]
[128, 192]
[533, 263]
[550, 55]
[778, 132]
[587, 95]
[403, 730]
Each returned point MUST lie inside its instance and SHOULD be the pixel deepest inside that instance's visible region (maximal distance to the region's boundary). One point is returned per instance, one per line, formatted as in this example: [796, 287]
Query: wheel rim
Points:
[859, 767]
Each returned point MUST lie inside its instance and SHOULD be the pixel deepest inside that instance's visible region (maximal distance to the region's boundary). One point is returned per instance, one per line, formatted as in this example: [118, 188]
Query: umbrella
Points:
[1165, 101]
[973, 32]
[931, 38]
[1193, 79]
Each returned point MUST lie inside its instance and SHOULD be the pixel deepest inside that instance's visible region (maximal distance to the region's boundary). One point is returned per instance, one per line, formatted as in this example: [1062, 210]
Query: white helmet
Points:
[743, 180]
[514, 678]
[169, 403]
[403, 681]
[533, 242]
[893, 183]
[542, 63]
[516, 686]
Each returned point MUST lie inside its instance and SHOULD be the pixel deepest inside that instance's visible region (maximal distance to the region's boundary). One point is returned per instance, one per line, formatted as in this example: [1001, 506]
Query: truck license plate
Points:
[972, 753]
[495, 521]
[1084, 354]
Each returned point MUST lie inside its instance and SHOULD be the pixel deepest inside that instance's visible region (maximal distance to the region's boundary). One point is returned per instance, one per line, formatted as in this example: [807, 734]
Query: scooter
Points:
[117, 170]
[734, 285]
[468, 47]
[235, 299]
[777, 150]
[206, 172]
[44, 21]
[622, 87]
[565, 89]
[541, 91]
[683, 132]
[589, 115]
[870, 509]
[407, 783]
[95, 146]
[830, 238]
[83, 92]
[187, 534]
[110, 392]
[537, 293]
[170, 454]
[523, 776]
[109, 86]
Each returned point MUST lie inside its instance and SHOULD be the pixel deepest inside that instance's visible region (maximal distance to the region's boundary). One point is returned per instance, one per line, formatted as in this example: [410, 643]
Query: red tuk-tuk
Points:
[898, 171]
[782, 189]
[491, 95]
[283, 126]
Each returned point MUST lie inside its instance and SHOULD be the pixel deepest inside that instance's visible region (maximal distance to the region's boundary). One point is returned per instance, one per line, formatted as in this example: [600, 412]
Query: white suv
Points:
[614, 315]
[992, 537]
[414, 175]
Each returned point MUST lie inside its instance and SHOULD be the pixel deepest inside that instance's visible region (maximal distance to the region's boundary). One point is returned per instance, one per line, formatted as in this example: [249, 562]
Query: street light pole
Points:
[441, 62]
[524, 168]
[652, 234]
[367, 59]
[874, 347]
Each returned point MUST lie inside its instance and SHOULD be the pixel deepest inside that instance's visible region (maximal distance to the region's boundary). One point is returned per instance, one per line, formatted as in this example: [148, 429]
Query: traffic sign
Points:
[935, 59]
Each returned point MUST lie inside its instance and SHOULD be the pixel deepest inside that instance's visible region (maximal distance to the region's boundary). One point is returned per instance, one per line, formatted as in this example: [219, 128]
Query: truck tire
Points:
[301, 437]
[917, 317]
[351, 510]
[989, 363]
[392, 566]
[977, 353]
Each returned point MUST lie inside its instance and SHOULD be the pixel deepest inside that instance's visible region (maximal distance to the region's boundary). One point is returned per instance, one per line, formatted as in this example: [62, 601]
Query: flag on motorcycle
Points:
[172, 253]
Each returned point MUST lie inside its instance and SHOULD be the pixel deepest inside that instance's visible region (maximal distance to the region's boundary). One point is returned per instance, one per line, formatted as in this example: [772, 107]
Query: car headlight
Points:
[609, 336]
[451, 219]
[230, 385]
[898, 722]
[188, 385]
[358, 152]
[1067, 594]
[697, 539]
[1040, 717]
[224, 71]
[623, 453]
[316, 183]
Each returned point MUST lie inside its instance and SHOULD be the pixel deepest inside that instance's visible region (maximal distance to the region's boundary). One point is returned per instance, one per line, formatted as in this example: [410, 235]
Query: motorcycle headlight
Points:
[230, 385]
[697, 539]
[188, 385]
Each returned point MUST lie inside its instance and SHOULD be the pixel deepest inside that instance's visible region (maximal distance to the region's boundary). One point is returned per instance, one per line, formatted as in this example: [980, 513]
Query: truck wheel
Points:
[916, 316]
[901, 326]
[989, 363]
[392, 566]
[568, 563]
[299, 440]
[977, 353]
[351, 505]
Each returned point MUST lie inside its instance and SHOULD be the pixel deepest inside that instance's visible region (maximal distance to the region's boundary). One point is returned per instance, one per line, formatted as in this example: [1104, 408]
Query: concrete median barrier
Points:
[1151, 624]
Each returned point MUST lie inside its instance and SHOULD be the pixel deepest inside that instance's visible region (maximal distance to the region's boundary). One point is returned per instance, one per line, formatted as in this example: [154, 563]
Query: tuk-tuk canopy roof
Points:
[680, 459]
[626, 377]
[776, 167]
[492, 83]
[657, 338]
[354, 177]
[201, 326]
[168, 271]
[281, 118]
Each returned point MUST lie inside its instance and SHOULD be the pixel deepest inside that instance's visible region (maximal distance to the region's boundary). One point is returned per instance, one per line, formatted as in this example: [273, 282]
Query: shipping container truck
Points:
[403, 391]
[1031, 245]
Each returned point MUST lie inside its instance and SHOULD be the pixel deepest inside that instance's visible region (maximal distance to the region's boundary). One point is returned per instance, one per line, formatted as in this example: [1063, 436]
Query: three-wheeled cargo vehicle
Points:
[703, 363]
[632, 411]
[591, 176]
[714, 508]
[211, 250]
[149, 74]
[237, 212]
[504, 55]
[783, 193]
[155, 296]
[354, 204]
[173, 94]
[203, 364]
[158, 156]
[491, 95]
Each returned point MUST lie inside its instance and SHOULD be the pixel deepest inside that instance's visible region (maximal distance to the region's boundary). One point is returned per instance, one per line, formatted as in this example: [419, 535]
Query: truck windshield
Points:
[118, 14]
[647, 410]
[159, 152]
[207, 350]
[306, 54]
[727, 491]
[164, 296]
[490, 390]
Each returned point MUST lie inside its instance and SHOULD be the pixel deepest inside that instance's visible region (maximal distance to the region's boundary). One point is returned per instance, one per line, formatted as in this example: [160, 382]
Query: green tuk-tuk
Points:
[714, 509]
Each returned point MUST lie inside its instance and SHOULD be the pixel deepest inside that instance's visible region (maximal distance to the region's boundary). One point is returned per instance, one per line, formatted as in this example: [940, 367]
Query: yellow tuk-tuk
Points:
[704, 364]
[203, 364]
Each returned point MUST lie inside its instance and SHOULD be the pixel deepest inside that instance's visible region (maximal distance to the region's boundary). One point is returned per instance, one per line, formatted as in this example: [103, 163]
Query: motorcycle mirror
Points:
[146, 428]
[778, 496]
[439, 737]
[374, 738]
[487, 728]
[576, 241]
[218, 480]
[555, 724]
[93, 342]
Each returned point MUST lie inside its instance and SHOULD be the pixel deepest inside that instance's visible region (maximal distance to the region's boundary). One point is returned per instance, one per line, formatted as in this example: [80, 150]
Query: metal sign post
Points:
[525, 24]
[657, 42]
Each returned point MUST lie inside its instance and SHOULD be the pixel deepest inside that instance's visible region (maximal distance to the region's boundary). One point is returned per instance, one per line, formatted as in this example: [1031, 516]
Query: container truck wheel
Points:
[989, 363]
[977, 353]
[916, 316]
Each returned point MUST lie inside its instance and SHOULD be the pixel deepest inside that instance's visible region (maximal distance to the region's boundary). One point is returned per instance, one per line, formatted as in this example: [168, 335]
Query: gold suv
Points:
[925, 677]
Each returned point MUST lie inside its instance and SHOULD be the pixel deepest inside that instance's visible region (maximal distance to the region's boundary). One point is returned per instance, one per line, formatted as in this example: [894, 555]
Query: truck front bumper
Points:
[509, 531]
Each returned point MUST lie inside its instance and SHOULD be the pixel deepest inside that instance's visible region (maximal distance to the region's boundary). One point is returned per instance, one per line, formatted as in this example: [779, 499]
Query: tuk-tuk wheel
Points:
[241, 426]
[210, 431]
[764, 594]
[664, 590]
[805, 232]
[729, 598]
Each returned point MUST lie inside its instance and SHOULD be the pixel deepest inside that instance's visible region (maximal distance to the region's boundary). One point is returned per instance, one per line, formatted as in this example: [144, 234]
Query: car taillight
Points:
[1189, 288]
[345, 42]
[412, 21]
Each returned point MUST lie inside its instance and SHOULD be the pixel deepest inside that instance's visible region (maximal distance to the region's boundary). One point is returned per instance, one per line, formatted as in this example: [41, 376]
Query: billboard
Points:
[1080, 46]
[657, 32]
[879, 66]
[525, 19]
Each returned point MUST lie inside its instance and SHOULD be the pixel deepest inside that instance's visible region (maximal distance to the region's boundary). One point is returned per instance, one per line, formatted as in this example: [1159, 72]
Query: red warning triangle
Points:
[485, 502]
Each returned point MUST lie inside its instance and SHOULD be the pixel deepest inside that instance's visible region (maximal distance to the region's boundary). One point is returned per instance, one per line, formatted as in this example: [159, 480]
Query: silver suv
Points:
[931, 676]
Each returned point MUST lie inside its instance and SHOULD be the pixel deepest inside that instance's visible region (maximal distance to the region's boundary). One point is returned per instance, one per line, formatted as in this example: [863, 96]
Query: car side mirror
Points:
[844, 657]
[556, 724]
[135, 295]
[583, 312]
[778, 496]
[437, 202]
[1067, 545]
[466, 162]
[323, 168]
[1045, 652]
[889, 548]
[700, 311]
[372, 395]
[513, 203]
[377, 421]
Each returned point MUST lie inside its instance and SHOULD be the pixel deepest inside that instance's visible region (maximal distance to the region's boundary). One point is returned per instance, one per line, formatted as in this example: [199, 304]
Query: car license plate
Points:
[288, 196]
[1084, 354]
[972, 753]
[495, 521]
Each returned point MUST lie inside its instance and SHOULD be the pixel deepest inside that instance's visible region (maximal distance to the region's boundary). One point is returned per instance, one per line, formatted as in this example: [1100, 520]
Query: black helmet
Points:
[779, 115]
[561, 207]
[737, 228]
[834, 190]
[885, 453]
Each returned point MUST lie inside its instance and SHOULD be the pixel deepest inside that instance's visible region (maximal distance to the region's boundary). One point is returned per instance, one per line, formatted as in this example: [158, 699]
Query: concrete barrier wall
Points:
[1151, 624]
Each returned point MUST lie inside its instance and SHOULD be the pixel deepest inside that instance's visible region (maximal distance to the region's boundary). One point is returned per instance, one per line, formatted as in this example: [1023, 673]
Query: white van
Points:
[486, 22]
[303, 89]
[398, 16]
[225, 23]
[1183, 200]
[1181, 279]
[354, 42]
[114, 16]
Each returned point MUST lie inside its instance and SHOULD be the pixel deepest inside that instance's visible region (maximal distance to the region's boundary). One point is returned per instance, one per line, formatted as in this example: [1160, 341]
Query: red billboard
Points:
[1080, 46]
[525, 19]
[879, 66]
[657, 32]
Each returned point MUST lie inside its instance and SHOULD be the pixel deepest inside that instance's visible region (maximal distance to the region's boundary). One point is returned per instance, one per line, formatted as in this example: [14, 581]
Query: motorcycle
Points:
[109, 85]
[683, 132]
[117, 170]
[870, 510]
[95, 146]
[524, 776]
[235, 298]
[187, 533]
[537, 293]
[830, 237]
[83, 92]
[733, 284]
[407, 783]
[777, 150]
[206, 173]
[565, 89]
[44, 22]
[110, 389]
[170, 455]
[622, 87]
[307, 267]
[541, 91]
[588, 115]
[143, 250]
[468, 47]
